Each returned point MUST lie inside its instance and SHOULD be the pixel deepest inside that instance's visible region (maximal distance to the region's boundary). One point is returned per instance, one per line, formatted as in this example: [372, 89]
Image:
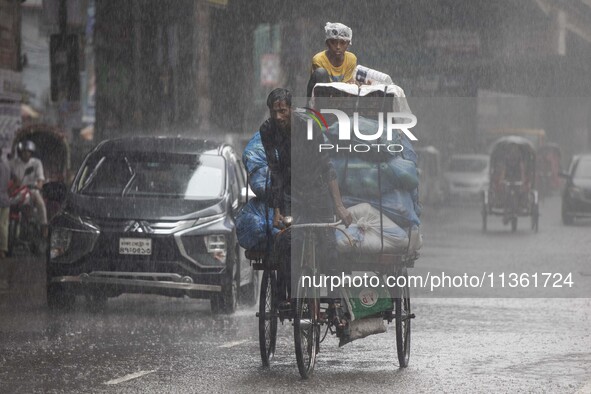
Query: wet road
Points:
[472, 342]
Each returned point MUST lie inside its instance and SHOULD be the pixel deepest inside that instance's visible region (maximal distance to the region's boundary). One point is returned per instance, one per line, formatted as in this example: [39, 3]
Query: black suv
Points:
[152, 215]
[576, 197]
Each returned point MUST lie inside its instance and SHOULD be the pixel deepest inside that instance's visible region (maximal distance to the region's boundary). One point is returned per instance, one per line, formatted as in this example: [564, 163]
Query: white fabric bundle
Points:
[366, 235]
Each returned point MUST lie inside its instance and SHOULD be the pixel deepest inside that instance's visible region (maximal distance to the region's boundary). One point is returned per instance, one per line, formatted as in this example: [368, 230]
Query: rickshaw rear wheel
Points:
[535, 218]
[513, 224]
[268, 317]
[484, 210]
[403, 320]
[306, 329]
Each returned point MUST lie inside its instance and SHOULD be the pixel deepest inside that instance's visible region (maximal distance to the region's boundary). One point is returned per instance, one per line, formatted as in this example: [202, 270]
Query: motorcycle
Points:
[24, 230]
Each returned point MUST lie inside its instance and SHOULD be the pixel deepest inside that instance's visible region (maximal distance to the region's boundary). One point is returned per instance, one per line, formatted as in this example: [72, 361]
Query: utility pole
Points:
[202, 17]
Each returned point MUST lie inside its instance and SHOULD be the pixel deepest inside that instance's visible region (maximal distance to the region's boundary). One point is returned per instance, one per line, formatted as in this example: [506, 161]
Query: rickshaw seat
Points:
[255, 254]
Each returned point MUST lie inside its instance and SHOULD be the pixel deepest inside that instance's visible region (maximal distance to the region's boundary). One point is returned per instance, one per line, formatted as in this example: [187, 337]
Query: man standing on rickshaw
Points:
[335, 64]
[316, 194]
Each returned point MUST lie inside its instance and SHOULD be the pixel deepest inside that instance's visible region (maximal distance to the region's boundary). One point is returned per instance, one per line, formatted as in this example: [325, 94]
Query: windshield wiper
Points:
[93, 174]
[128, 184]
[131, 179]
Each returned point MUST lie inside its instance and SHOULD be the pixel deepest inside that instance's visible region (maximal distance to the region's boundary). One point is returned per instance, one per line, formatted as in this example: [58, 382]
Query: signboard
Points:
[10, 122]
[270, 69]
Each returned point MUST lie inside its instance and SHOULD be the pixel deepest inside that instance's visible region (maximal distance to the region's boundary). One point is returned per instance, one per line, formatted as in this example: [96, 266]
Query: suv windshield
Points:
[467, 165]
[151, 174]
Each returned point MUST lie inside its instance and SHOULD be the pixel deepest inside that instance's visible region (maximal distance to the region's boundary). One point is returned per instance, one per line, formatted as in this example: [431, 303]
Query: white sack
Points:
[366, 235]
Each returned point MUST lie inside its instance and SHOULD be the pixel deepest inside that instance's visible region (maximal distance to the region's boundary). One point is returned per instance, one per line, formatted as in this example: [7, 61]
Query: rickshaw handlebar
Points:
[319, 225]
[307, 225]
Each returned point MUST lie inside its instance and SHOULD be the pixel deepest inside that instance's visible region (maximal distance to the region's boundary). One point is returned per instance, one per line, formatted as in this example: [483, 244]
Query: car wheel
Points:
[58, 298]
[227, 300]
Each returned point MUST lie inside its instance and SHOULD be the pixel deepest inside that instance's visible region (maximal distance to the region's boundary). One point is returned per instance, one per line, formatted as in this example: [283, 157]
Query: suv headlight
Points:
[575, 192]
[59, 242]
[216, 246]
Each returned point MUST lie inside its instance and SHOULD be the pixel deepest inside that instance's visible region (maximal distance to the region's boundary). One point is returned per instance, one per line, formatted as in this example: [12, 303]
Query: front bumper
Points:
[140, 280]
[578, 208]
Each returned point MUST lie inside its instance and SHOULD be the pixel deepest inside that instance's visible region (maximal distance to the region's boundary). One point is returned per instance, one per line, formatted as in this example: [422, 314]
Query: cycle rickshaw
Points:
[511, 193]
[316, 314]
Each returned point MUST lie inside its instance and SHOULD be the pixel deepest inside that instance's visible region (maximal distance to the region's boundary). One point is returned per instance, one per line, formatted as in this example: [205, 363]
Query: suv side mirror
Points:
[564, 175]
[55, 191]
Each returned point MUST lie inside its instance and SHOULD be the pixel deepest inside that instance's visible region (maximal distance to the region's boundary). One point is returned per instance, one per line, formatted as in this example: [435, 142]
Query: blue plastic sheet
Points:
[253, 223]
[255, 161]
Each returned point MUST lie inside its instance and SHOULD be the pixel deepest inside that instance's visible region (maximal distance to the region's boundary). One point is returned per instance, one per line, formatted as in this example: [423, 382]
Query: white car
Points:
[467, 175]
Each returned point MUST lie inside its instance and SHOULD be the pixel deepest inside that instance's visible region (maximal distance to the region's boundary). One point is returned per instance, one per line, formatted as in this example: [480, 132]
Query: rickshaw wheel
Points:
[268, 317]
[403, 319]
[535, 218]
[484, 211]
[306, 329]
[513, 224]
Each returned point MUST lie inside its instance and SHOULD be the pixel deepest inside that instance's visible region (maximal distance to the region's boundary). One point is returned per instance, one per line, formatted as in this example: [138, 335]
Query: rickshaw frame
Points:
[312, 311]
[509, 198]
[309, 312]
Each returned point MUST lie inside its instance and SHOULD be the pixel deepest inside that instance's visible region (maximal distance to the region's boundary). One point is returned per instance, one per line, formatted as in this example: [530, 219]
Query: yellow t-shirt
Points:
[343, 73]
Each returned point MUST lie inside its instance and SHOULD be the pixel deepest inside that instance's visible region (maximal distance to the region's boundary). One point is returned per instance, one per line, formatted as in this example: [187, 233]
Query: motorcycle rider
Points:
[28, 170]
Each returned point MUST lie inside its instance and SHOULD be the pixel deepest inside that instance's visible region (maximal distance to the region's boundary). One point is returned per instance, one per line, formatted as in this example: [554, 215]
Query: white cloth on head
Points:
[338, 31]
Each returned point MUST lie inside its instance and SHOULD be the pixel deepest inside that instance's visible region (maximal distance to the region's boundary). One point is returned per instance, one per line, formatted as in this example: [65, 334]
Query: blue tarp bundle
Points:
[253, 224]
[398, 174]
[255, 161]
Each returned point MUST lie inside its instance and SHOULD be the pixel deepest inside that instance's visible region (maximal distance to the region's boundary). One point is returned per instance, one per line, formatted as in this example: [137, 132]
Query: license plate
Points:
[137, 246]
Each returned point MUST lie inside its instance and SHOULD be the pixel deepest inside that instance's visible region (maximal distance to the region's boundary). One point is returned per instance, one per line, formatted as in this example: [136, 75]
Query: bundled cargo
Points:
[254, 224]
[255, 161]
[398, 205]
[394, 189]
[365, 233]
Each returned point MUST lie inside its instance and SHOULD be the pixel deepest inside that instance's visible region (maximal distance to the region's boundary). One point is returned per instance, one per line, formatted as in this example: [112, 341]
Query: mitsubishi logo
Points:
[138, 227]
